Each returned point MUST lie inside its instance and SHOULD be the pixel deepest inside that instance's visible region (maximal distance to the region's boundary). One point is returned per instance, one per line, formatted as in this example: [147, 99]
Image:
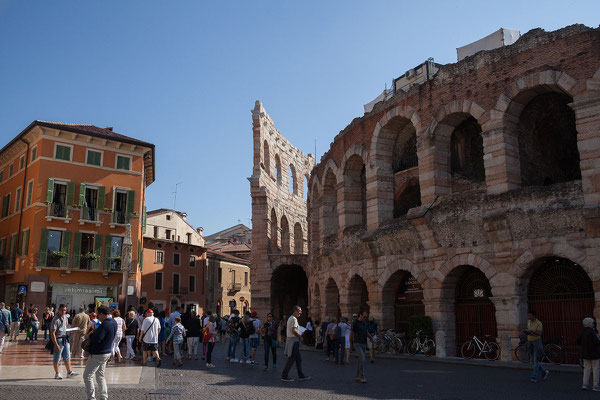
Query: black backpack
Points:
[250, 329]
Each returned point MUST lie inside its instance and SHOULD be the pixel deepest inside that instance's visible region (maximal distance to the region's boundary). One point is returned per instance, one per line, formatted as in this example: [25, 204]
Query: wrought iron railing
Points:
[120, 217]
[51, 260]
[57, 210]
[79, 263]
[89, 214]
[234, 287]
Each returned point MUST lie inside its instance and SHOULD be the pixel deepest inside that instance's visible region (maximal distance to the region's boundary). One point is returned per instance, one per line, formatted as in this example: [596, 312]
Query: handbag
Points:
[86, 344]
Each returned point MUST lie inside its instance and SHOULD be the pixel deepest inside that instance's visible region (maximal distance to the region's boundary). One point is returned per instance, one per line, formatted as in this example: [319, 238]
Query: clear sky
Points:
[184, 75]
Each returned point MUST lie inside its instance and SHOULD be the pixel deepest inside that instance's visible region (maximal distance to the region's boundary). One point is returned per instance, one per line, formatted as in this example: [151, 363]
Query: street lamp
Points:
[126, 253]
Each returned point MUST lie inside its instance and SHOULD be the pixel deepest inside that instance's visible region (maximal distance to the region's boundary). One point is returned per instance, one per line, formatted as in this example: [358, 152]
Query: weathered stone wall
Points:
[274, 206]
[500, 227]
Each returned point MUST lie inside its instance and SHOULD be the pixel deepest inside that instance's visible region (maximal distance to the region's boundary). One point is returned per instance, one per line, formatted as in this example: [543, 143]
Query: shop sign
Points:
[22, 289]
[80, 290]
[231, 303]
[37, 287]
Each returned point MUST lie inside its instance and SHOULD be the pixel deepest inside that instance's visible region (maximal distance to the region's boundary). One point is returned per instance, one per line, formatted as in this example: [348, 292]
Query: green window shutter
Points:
[26, 243]
[43, 255]
[140, 256]
[144, 217]
[101, 196]
[13, 250]
[20, 248]
[50, 191]
[81, 194]
[76, 250]
[70, 193]
[107, 258]
[97, 250]
[131, 201]
[66, 247]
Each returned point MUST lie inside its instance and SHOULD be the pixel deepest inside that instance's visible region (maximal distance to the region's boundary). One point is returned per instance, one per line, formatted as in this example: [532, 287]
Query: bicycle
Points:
[389, 341]
[427, 346]
[554, 353]
[490, 349]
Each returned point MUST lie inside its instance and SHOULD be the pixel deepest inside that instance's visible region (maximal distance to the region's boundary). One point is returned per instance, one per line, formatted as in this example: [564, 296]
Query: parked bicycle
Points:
[389, 341]
[554, 353]
[425, 346]
[487, 348]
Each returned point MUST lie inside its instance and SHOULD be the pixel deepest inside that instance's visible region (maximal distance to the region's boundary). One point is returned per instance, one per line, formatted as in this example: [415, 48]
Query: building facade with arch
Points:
[470, 198]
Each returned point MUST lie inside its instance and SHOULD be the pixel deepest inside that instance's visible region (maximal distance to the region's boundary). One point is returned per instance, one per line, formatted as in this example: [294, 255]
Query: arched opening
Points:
[266, 157]
[305, 188]
[285, 235]
[298, 239]
[278, 177]
[547, 137]
[475, 312]
[407, 197]
[289, 287]
[402, 299]
[273, 234]
[293, 183]
[314, 218]
[358, 295]
[562, 294]
[355, 192]
[316, 303]
[466, 154]
[329, 210]
[332, 299]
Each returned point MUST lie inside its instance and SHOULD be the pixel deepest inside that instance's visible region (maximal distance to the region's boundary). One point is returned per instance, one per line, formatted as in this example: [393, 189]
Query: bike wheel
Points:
[521, 353]
[467, 350]
[493, 351]
[382, 348]
[413, 347]
[429, 347]
[554, 353]
[398, 346]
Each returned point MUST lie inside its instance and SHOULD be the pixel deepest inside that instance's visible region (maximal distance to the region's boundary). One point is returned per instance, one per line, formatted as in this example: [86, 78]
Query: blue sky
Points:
[184, 75]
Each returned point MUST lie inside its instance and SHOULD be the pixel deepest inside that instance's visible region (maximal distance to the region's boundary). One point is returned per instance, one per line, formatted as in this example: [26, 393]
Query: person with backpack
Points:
[330, 339]
[234, 335]
[340, 331]
[246, 329]
[269, 334]
[209, 336]
[254, 338]
[177, 336]
[149, 336]
[194, 330]
[5, 321]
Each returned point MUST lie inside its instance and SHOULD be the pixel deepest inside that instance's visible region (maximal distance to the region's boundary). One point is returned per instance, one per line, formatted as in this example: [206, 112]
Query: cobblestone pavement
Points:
[387, 379]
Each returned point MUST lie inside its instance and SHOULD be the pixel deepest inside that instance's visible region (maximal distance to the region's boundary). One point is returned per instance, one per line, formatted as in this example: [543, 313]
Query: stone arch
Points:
[467, 259]
[357, 294]
[316, 302]
[332, 298]
[298, 239]
[401, 264]
[278, 177]
[285, 235]
[459, 119]
[289, 287]
[353, 210]
[329, 206]
[266, 157]
[274, 233]
[376, 146]
[401, 298]
[293, 180]
[314, 219]
[330, 165]
[355, 149]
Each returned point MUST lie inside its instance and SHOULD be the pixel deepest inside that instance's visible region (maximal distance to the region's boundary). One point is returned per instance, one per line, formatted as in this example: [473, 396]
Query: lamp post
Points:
[126, 263]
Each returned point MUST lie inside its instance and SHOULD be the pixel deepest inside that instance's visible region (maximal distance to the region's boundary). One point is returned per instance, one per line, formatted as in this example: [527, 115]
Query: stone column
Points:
[509, 313]
[441, 311]
[380, 193]
[501, 154]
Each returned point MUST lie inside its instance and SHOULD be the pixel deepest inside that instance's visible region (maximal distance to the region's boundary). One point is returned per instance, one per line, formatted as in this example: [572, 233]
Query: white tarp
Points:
[502, 37]
[369, 106]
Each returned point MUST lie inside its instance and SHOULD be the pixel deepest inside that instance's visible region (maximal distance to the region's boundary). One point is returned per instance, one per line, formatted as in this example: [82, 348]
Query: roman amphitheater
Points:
[469, 197]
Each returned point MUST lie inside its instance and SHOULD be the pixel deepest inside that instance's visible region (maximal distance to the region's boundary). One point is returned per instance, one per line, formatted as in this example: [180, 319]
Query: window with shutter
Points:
[62, 152]
[77, 250]
[66, 247]
[94, 157]
[97, 251]
[107, 252]
[123, 163]
[50, 190]
[25, 243]
[43, 254]
[29, 193]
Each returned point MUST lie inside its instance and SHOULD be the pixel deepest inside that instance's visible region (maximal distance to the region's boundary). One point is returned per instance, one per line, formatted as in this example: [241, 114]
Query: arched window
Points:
[305, 188]
[278, 169]
[298, 239]
[355, 192]
[274, 233]
[293, 183]
[285, 235]
[466, 151]
[266, 157]
[329, 201]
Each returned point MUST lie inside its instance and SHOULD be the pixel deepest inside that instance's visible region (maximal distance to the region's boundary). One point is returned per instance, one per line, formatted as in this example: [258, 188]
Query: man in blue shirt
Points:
[101, 342]
[15, 314]
[5, 319]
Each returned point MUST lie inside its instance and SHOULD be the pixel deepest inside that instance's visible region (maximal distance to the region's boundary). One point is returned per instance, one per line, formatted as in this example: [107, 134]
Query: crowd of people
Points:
[102, 336]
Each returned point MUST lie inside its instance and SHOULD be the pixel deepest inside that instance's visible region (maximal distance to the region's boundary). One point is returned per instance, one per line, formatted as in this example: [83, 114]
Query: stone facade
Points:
[279, 227]
[475, 188]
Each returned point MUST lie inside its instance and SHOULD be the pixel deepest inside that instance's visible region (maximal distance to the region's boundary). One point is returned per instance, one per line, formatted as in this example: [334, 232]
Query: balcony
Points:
[234, 288]
[51, 260]
[89, 214]
[178, 290]
[58, 210]
[5, 264]
[80, 263]
[120, 217]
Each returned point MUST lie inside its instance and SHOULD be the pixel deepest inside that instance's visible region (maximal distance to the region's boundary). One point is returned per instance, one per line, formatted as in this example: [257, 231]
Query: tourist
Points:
[254, 337]
[16, 314]
[331, 340]
[283, 329]
[358, 336]
[35, 325]
[176, 313]
[210, 341]
[131, 332]
[317, 342]
[246, 327]
[346, 342]
[81, 321]
[5, 323]
[60, 339]
[165, 330]
[149, 337]
[590, 353]
[25, 324]
[46, 320]
[101, 347]
[176, 336]
[116, 353]
[323, 333]
[223, 328]
[94, 321]
[194, 330]
[339, 332]
[534, 333]
[233, 329]
[309, 337]
[292, 347]
[269, 334]
[205, 320]
[372, 328]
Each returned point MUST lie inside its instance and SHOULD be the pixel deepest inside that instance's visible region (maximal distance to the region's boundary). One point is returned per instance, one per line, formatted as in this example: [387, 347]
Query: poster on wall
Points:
[67, 300]
[102, 301]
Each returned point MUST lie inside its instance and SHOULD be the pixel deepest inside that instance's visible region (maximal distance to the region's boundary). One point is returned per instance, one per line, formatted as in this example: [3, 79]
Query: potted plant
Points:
[60, 253]
[91, 256]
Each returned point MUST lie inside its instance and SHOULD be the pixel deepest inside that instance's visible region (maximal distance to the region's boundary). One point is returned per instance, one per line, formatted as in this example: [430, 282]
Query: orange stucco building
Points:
[67, 193]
